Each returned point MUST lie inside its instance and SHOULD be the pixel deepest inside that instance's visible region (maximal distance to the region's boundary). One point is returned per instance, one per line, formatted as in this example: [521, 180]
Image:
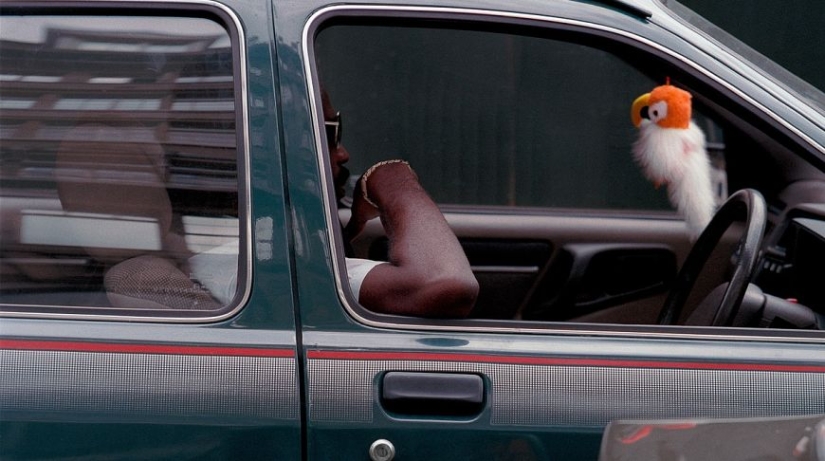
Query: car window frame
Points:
[491, 18]
[229, 20]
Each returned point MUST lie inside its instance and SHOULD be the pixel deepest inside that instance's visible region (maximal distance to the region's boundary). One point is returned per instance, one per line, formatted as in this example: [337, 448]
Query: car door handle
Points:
[441, 394]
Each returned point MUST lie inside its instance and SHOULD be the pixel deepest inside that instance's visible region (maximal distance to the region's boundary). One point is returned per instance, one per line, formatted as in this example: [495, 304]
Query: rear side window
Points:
[119, 173]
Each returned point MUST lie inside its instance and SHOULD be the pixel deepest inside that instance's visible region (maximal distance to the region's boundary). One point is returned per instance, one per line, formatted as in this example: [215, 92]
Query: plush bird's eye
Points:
[657, 111]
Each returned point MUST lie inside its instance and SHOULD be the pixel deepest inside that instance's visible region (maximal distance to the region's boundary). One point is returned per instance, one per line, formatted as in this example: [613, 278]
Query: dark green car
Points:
[172, 276]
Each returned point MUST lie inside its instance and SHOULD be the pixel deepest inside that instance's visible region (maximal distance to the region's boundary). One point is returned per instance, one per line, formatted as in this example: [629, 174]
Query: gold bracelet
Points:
[369, 172]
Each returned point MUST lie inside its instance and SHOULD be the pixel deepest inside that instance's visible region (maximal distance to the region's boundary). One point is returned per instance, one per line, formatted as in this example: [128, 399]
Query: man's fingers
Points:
[361, 213]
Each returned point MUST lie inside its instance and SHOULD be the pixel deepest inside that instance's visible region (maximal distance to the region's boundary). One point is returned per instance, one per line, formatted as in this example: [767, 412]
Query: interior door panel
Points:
[588, 277]
[554, 266]
[506, 270]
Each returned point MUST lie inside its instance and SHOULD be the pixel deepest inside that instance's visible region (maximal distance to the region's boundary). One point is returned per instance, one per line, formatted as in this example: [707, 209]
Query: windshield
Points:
[796, 51]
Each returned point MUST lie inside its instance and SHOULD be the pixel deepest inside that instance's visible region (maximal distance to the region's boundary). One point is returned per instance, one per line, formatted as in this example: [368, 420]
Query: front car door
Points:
[133, 325]
[519, 123]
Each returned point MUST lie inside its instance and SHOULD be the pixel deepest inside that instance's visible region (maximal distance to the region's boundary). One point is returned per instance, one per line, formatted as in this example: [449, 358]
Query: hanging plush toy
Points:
[671, 152]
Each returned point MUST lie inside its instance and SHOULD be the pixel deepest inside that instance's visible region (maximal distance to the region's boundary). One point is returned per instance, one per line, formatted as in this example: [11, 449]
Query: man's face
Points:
[338, 155]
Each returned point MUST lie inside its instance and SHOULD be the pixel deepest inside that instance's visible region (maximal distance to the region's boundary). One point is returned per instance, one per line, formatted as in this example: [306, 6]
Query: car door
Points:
[564, 229]
[133, 324]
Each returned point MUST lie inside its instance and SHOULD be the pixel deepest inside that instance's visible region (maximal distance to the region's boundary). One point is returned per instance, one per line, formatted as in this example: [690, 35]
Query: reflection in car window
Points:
[492, 117]
[119, 164]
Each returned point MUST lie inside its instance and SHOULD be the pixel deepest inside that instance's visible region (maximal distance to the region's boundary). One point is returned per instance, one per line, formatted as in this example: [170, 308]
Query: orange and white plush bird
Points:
[671, 151]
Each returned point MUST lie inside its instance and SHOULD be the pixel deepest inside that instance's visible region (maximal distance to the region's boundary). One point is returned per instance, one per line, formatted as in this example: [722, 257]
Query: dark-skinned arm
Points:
[428, 273]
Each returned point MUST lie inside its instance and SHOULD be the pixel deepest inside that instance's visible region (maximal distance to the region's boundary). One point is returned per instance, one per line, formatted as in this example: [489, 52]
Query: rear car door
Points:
[575, 263]
[133, 324]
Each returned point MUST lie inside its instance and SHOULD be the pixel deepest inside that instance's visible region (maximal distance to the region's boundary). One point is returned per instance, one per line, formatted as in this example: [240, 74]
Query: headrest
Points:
[100, 173]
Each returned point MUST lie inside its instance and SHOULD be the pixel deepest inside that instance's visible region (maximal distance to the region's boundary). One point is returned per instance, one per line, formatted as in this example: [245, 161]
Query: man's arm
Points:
[428, 273]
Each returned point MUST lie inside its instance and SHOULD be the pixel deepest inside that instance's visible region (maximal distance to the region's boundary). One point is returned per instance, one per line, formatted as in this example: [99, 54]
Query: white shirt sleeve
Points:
[217, 270]
[357, 269]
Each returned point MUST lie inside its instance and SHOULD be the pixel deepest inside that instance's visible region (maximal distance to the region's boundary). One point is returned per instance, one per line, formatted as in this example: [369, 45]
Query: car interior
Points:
[119, 174]
[571, 264]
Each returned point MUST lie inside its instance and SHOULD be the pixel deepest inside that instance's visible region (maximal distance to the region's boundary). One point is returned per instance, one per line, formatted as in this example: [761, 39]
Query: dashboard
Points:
[793, 260]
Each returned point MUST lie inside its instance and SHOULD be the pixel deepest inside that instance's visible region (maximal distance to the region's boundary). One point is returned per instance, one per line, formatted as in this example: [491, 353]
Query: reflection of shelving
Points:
[120, 113]
[146, 88]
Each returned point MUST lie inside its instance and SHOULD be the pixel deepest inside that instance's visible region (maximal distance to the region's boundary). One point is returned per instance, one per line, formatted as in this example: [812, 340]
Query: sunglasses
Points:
[334, 128]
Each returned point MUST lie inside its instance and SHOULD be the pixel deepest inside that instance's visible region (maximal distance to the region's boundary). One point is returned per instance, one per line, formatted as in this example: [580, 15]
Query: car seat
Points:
[120, 183]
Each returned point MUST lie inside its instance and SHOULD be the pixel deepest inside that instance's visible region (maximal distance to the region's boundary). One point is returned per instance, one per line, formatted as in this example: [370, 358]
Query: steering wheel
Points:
[747, 205]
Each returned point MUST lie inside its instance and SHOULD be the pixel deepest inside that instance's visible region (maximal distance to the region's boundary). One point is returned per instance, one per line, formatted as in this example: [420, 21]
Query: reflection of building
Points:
[91, 119]
[149, 88]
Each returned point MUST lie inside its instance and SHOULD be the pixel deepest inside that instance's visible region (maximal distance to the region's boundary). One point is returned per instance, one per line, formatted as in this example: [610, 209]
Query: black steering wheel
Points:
[746, 205]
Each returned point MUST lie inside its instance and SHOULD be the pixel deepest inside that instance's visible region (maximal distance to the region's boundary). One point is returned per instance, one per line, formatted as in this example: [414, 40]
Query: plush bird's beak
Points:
[639, 109]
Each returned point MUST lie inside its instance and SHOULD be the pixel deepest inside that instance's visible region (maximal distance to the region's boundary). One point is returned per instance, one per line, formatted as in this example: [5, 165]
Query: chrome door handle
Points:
[424, 393]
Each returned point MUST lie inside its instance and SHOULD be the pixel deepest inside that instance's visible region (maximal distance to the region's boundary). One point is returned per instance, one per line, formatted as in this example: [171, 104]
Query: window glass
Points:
[119, 175]
[491, 117]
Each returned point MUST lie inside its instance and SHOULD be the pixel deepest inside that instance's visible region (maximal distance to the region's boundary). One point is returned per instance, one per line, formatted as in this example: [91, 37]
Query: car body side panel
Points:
[99, 389]
[78, 394]
[552, 391]
[184, 378]
[540, 390]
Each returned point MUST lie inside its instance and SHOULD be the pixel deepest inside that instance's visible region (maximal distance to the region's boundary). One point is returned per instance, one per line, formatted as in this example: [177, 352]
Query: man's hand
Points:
[361, 212]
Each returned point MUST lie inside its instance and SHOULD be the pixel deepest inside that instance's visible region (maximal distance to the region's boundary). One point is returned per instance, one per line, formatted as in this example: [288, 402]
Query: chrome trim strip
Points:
[468, 14]
[246, 190]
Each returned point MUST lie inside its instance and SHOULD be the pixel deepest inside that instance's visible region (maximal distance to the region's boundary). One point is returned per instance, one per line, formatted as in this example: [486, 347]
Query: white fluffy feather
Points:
[677, 158]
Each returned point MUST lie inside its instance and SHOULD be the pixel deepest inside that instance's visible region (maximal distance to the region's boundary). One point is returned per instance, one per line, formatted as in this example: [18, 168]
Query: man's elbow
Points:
[451, 298]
